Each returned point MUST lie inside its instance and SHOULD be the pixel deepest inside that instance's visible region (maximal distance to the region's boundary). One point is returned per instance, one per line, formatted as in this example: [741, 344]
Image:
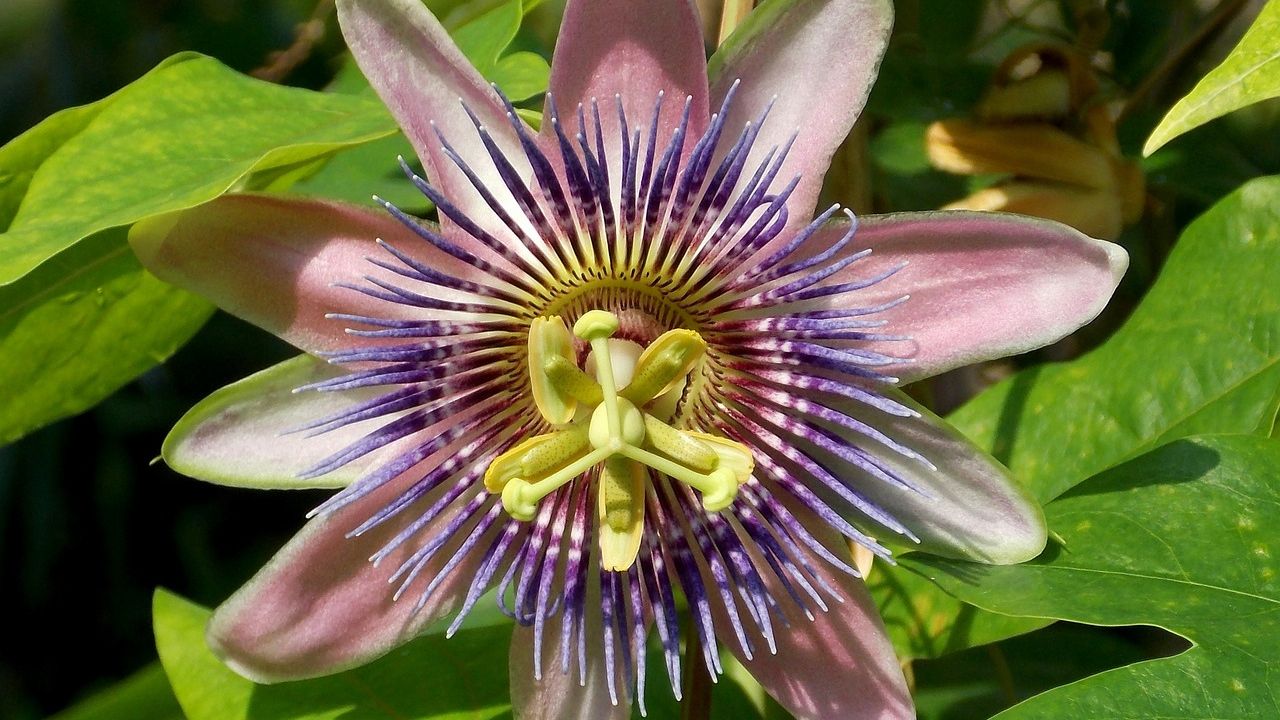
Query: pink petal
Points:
[969, 507]
[819, 60]
[839, 665]
[238, 435]
[632, 49]
[274, 261]
[558, 696]
[319, 606]
[424, 79]
[982, 285]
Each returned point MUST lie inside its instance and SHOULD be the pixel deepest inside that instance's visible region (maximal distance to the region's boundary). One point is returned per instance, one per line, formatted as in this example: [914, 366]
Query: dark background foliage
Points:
[88, 525]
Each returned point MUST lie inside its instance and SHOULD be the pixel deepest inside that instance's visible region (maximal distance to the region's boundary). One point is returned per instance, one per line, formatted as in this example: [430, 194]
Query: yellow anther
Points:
[507, 466]
[558, 450]
[537, 457]
[572, 381]
[631, 424]
[664, 364]
[681, 447]
[733, 455]
[596, 325]
[520, 496]
[620, 509]
[549, 338]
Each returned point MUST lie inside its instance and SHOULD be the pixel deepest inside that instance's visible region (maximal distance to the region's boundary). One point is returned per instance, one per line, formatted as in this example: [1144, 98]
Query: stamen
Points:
[618, 435]
[548, 339]
[664, 363]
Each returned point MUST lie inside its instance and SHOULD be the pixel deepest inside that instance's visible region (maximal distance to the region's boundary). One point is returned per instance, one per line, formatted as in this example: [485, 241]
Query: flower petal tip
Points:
[1118, 259]
[215, 636]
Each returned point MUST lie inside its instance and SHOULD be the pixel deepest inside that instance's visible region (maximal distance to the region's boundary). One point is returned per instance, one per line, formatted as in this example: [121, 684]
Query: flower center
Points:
[613, 432]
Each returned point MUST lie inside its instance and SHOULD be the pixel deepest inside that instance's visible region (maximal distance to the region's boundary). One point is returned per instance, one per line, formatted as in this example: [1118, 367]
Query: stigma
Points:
[611, 429]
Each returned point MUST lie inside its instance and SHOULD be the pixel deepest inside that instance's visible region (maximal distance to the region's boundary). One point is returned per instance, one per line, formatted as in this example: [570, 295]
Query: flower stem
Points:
[696, 704]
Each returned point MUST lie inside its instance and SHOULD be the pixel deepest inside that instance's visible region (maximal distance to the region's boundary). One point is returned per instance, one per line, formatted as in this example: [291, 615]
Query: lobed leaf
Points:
[1181, 538]
[1201, 354]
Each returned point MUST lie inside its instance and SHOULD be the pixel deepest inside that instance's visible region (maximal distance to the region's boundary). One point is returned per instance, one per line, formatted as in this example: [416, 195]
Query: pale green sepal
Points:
[237, 436]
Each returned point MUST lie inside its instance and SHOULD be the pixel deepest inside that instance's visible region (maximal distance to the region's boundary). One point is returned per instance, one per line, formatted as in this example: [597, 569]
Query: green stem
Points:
[696, 704]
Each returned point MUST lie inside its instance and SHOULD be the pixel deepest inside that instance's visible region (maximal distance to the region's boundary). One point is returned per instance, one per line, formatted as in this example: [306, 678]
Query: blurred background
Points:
[90, 524]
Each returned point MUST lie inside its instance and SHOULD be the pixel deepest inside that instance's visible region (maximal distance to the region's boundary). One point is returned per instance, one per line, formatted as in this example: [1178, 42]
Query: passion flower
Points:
[627, 365]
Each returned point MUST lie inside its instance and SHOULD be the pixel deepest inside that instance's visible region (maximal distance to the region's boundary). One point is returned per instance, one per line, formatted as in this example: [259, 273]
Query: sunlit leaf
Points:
[80, 326]
[484, 38]
[521, 75]
[1250, 74]
[180, 135]
[1182, 538]
[78, 315]
[145, 695]
[1201, 354]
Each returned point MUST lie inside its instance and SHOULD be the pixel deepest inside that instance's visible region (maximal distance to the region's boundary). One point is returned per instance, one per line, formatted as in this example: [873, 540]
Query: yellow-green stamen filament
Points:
[619, 435]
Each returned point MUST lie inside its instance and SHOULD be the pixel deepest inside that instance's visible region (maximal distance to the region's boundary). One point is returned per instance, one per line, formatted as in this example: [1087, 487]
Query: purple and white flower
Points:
[725, 421]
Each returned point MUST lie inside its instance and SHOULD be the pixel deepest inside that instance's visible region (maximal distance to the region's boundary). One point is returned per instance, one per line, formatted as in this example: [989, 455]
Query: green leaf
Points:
[1201, 354]
[924, 622]
[1182, 538]
[182, 134]
[484, 38]
[371, 169]
[21, 158]
[980, 682]
[145, 695]
[357, 174]
[521, 75]
[1250, 74]
[80, 326]
[78, 316]
[463, 678]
